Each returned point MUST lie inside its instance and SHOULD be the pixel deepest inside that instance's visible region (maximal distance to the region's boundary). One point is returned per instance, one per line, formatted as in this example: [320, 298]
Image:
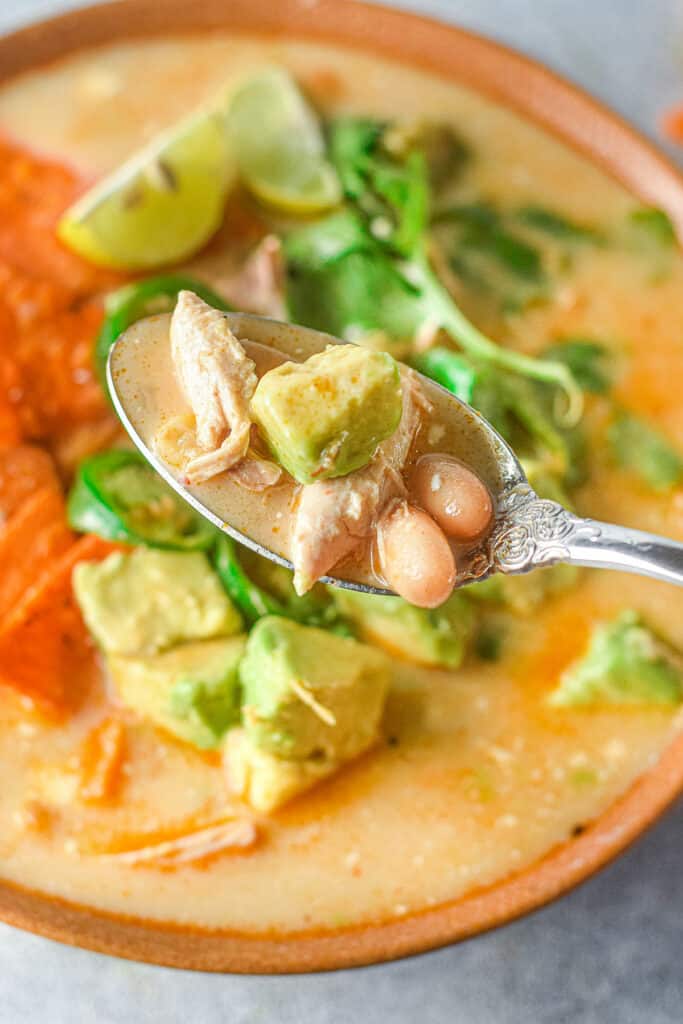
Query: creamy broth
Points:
[478, 776]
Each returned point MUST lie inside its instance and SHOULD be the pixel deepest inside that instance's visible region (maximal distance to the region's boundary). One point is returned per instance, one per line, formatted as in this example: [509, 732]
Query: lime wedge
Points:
[162, 205]
[279, 146]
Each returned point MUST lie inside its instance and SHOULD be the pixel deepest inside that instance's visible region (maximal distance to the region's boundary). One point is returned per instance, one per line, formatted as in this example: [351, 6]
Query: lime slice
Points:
[162, 204]
[278, 145]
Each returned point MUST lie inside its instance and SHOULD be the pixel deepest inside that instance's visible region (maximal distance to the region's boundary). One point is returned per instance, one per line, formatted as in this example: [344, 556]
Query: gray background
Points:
[609, 952]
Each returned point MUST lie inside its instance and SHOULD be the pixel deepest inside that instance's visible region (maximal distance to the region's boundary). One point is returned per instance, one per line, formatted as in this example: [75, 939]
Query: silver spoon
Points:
[528, 532]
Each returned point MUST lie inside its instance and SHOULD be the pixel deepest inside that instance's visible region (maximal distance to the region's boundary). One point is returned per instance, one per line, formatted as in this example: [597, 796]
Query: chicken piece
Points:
[335, 516]
[218, 380]
[256, 474]
[259, 286]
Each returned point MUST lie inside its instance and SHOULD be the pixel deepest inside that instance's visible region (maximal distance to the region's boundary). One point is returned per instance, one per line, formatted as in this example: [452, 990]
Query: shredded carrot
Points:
[50, 312]
[192, 848]
[10, 427]
[44, 644]
[32, 538]
[102, 757]
[672, 124]
[24, 469]
[50, 305]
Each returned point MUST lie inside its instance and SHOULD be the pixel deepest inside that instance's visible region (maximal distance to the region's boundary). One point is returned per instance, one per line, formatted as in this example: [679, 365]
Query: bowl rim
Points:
[607, 140]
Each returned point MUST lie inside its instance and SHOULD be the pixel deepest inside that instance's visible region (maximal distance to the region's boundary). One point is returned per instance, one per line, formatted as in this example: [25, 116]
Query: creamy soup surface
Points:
[478, 776]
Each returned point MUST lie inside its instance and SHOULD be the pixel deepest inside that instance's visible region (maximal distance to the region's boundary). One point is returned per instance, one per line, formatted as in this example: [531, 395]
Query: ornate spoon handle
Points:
[534, 532]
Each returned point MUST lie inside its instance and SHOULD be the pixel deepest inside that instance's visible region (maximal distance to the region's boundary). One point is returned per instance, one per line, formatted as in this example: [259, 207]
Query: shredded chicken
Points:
[335, 516]
[191, 847]
[259, 286]
[256, 474]
[218, 380]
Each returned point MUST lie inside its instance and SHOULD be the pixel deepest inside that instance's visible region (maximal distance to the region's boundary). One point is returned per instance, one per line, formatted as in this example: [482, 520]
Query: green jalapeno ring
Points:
[252, 601]
[118, 496]
[140, 299]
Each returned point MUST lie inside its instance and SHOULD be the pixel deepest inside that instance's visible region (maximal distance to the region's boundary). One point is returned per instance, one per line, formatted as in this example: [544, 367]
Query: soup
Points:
[476, 769]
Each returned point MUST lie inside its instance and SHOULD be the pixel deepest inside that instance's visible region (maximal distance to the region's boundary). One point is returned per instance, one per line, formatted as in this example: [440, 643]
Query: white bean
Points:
[453, 496]
[414, 556]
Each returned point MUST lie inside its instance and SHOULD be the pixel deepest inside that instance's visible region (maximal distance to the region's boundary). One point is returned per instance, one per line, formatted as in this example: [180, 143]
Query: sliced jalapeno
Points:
[252, 600]
[117, 495]
[144, 298]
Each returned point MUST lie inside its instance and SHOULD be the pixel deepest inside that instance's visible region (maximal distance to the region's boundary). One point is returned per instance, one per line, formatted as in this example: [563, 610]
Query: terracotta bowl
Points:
[541, 96]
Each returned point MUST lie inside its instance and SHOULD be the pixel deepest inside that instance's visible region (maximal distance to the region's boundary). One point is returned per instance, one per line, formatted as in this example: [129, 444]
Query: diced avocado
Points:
[325, 417]
[523, 594]
[626, 663]
[149, 600]
[265, 781]
[191, 691]
[435, 636]
[311, 694]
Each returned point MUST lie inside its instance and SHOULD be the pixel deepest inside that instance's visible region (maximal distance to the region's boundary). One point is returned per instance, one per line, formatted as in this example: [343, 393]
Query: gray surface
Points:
[609, 952]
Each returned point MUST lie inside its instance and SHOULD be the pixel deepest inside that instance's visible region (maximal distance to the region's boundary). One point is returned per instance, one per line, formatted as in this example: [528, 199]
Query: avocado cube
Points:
[150, 600]
[626, 663]
[308, 693]
[265, 781]
[191, 691]
[435, 637]
[325, 417]
[524, 594]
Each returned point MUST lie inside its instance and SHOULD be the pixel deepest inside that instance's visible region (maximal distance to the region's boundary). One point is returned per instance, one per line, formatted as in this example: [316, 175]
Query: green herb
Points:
[653, 226]
[444, 150]
[449, 369]
[389, 203]
[640, 448]
[482, 232]
[392, 194]
[117, 495]
[352, 142]
[488, 641]
[320, 245]
[587, 361]
[540, 218]
[479, 217]
[520, 411]
[545, 480]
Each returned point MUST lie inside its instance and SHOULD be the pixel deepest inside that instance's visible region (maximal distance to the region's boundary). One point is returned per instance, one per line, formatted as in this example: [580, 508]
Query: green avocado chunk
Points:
[266, 781]
[626, 663]
[325, 417]
[524, 594]
[191, 691]
[436, 637]
[308, 693]
[150, 600]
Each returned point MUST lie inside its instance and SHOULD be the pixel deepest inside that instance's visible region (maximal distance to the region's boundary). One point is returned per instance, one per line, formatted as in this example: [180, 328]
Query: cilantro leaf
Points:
[449, 369]
[640, 448]
[653, 226]
[540, 218]
[367, 268]
[587, 361]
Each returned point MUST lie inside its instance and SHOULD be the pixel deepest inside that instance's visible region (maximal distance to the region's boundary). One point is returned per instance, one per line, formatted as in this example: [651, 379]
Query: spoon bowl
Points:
[527, 531]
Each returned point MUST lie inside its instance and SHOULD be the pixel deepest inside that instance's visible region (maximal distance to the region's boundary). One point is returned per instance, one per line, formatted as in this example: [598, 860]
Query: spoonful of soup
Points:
[341, 463]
